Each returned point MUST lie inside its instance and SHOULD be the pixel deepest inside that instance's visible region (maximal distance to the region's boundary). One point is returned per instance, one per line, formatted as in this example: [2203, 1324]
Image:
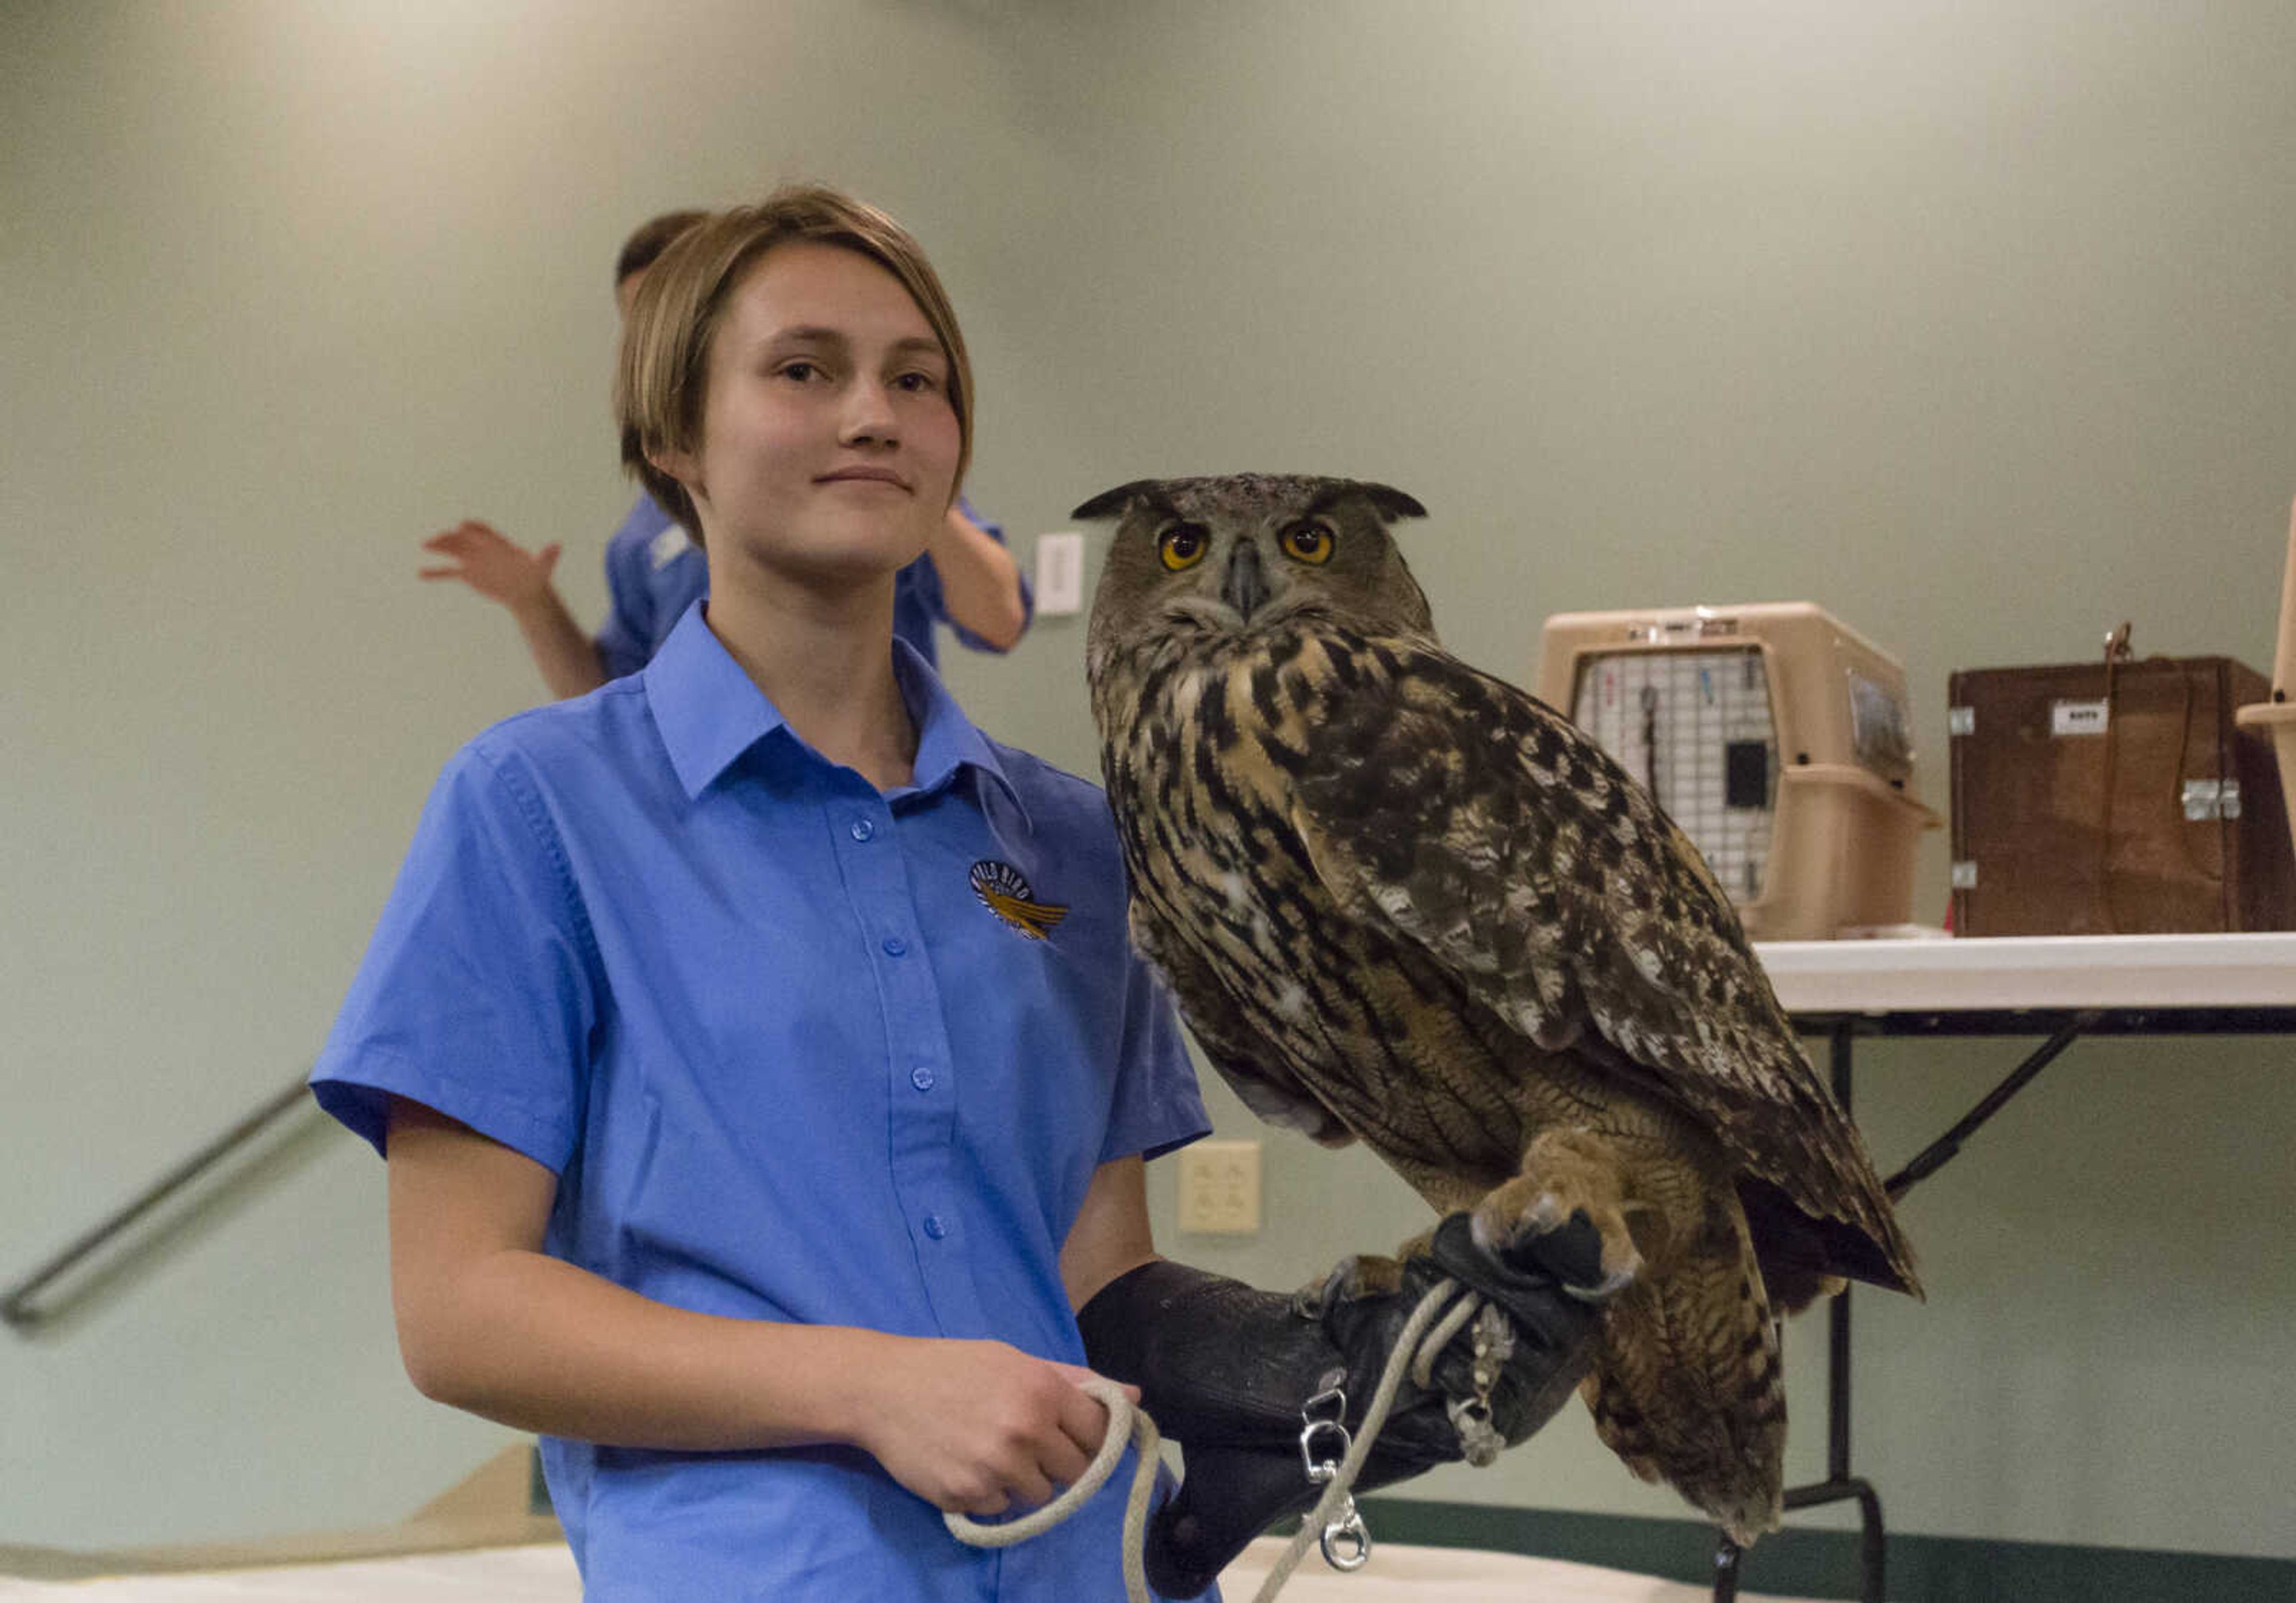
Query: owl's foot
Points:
[1365, 1274]
[1564, 1172]
[1351, 1280]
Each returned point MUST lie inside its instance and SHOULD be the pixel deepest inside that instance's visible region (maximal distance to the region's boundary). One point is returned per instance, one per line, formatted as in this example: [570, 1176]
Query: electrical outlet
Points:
[1219, 1188]
[1059, 574]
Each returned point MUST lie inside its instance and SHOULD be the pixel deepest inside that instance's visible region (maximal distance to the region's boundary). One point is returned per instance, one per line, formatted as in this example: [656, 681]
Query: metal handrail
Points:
[18, 1309]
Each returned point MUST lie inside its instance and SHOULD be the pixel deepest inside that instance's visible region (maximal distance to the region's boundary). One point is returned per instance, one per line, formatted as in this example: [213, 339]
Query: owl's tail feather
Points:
[1687, 1387]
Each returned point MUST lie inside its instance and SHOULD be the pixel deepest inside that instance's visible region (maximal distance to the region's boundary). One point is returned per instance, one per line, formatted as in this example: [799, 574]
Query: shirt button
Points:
[921, 1078]
[934, 1227]
[863, 829]
[895, 946]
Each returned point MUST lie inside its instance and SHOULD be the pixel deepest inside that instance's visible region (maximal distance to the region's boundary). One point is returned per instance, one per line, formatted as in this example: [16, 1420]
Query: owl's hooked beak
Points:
[1245, 588]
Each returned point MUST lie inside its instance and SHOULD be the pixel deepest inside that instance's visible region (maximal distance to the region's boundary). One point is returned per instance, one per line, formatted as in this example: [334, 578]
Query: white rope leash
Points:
[1415, 1349]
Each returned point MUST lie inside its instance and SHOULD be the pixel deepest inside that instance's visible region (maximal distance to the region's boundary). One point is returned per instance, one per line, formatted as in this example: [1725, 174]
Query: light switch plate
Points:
[1059, 574]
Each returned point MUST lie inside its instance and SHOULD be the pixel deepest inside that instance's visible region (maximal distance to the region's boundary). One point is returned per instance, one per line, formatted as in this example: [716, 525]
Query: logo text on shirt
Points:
[1004, 892]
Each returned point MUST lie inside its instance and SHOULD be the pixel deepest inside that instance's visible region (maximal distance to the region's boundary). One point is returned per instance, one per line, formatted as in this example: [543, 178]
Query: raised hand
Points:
[495, 566]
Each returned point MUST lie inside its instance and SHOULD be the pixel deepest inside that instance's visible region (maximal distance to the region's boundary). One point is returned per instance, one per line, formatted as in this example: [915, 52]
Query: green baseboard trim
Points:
[1824, 1564]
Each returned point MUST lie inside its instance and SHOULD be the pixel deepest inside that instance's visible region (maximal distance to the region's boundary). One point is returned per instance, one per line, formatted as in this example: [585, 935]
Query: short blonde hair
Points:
[662, 378]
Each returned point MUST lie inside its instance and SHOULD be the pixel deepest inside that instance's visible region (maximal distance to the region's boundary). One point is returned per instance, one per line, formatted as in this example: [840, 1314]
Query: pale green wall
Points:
[1973, 324]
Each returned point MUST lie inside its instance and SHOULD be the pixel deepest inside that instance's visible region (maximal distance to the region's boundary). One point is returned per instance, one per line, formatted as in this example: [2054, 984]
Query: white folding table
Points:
[2058, 987]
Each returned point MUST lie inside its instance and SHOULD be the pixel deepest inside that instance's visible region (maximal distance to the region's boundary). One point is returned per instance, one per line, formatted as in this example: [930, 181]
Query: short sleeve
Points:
[1158, 1106]
[479, 990]
[627, 639]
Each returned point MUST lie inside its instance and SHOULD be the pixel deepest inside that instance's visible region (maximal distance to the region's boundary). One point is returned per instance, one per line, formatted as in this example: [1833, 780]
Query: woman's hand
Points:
[495, 567]
[979, 1427]
[518, 580]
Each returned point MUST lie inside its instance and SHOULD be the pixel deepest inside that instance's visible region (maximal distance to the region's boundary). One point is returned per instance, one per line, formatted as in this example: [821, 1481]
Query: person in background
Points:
[655, 570]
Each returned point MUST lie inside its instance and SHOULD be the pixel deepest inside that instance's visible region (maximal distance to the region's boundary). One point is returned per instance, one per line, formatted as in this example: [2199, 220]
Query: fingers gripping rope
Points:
[1126, 1423]
[1335, 1512]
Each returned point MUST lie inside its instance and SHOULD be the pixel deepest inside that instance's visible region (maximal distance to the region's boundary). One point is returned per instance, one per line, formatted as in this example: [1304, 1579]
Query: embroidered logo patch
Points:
[1004, 893]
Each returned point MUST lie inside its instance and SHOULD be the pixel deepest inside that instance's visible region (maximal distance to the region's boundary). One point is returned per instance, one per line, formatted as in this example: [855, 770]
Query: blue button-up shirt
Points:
[654, 572]
[788, 1062]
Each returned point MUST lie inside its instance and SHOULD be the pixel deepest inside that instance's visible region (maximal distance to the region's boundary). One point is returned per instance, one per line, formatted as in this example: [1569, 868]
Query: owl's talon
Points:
[1545, 1215]
[1610, 1285]
[1619, 1263]
[1565, 1171]
[1351, 1279]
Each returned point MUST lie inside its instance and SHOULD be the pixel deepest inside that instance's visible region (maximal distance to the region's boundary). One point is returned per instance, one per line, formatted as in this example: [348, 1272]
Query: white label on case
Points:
[2076, 717]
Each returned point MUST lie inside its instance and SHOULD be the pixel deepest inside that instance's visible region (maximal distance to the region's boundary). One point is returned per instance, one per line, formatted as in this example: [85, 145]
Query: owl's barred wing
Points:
[1470, 819]
[1253, 1068]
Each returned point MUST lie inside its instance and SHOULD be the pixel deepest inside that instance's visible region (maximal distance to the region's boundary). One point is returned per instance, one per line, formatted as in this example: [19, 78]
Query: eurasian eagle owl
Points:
[1402, 901]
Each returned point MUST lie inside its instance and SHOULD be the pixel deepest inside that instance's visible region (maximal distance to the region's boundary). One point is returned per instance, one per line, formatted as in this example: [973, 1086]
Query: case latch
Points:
[2210, 801]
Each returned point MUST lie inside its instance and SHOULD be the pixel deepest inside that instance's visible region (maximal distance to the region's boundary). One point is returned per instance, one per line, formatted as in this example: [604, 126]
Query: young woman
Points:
[762, 1068]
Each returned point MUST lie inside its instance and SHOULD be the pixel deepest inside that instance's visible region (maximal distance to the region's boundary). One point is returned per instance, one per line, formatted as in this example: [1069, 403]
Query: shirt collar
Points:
[711, 712]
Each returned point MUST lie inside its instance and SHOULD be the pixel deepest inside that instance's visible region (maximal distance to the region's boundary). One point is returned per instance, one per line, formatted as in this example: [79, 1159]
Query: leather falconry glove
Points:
[1226, 1369]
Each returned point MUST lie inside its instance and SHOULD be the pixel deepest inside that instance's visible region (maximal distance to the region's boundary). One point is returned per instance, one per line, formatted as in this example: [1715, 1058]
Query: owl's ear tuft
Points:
[1112, 503]
[1390, 503]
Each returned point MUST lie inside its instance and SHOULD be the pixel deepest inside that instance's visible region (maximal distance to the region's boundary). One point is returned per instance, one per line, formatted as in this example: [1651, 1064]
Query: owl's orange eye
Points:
[1182, 545]
[1309, 543]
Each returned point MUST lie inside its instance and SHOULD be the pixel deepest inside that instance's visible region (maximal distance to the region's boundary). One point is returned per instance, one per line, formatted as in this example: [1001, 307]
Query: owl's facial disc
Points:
[1245, 588]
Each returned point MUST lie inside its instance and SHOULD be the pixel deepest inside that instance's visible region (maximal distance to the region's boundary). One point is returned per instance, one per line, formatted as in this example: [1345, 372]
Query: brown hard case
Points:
[2061, 833]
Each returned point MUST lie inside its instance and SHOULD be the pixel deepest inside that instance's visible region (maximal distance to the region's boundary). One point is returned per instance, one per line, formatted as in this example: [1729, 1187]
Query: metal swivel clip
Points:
[1346, 1540]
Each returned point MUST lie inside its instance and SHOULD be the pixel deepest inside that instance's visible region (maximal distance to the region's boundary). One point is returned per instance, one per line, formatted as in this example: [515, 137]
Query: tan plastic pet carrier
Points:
[1775, 737]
